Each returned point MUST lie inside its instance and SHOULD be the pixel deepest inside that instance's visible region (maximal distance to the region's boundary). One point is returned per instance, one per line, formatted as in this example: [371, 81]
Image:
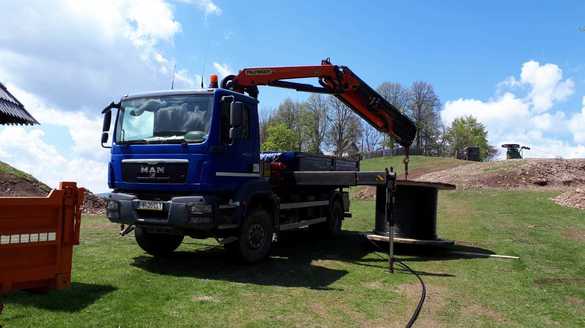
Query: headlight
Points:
[113, 205]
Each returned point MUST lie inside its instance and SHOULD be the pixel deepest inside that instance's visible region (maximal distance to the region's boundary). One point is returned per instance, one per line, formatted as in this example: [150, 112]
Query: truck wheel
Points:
[255, 237]
[332, 227]
[157, 244]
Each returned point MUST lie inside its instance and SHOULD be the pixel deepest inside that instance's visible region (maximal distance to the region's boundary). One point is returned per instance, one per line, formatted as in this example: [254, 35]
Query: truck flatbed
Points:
[301, 161]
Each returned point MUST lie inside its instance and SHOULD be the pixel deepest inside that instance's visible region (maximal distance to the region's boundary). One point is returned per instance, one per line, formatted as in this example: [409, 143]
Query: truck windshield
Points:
[163, 119]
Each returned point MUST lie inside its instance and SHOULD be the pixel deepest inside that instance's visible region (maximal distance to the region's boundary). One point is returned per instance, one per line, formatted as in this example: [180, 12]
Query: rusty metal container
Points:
[37, 236]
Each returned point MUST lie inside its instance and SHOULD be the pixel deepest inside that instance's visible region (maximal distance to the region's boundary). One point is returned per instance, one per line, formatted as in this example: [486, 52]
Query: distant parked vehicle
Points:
[514, 151]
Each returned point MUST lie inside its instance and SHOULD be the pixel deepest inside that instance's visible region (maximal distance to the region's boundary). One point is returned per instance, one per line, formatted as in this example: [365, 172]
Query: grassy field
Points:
[339, 283]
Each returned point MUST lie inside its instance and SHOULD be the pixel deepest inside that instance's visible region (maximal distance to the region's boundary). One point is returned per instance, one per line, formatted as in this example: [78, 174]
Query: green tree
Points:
[465, 132]
[279, 138]
[291, 114]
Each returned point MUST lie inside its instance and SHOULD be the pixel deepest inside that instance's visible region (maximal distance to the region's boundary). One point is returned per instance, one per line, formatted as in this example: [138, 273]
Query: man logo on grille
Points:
[152, 171]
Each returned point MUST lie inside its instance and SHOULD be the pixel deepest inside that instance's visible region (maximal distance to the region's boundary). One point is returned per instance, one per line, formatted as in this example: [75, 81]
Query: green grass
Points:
[7, 169]
[314, 283]
[417, 163]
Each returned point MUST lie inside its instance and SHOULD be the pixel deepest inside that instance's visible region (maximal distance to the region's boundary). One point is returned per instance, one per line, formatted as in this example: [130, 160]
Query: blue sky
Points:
[463, 48]
[515, 65]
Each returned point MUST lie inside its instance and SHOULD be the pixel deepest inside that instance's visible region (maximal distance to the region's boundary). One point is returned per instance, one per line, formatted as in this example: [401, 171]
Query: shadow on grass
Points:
[74, 299]
[294, 262]
[299, 259]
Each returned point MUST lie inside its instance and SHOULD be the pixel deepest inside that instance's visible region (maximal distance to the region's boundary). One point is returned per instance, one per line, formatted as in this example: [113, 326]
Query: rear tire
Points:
[157, 244]
[255, 237]
[332, 227]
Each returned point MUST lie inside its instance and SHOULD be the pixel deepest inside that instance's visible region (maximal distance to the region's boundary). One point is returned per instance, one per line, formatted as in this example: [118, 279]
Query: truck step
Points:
[304, 223]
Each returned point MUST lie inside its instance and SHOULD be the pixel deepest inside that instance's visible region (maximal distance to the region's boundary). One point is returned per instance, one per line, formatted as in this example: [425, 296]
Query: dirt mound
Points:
[15, 183]
[555, 174]
[365, 193]
[574, 198]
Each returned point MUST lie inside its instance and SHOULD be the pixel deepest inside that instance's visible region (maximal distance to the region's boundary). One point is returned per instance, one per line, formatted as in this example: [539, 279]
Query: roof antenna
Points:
[173, 80]
[202, 74]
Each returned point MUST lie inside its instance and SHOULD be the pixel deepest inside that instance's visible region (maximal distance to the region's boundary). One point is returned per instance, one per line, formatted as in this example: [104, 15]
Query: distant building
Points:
[12, 111]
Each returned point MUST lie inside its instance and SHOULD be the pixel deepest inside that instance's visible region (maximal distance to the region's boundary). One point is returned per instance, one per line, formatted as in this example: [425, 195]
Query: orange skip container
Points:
[37, 236]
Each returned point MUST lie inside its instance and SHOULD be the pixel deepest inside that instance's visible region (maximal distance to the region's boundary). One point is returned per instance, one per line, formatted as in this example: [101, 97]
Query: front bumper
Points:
[184, 212]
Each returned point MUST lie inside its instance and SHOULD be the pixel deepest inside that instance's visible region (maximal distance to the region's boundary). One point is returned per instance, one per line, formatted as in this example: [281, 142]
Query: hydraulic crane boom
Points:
[339, 81]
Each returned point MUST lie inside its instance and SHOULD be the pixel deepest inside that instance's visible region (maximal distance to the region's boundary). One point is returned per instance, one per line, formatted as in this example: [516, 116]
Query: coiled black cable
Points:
[423, 294]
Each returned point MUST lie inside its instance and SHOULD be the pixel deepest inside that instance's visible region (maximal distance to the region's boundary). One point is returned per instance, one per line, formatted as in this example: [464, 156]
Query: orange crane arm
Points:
[339, 81]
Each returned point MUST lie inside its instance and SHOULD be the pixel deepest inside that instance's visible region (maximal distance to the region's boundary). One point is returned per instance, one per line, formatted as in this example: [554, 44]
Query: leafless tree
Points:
[423, 108]
[370, 137]
[264, 120]
[345, 128]
[316, 120]
[395, 94]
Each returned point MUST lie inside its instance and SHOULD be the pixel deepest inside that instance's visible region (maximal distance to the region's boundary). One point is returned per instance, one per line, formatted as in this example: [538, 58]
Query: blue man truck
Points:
[188, 163]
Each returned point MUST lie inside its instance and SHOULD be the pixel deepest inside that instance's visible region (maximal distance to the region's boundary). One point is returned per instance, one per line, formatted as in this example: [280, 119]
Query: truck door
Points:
[239, 161]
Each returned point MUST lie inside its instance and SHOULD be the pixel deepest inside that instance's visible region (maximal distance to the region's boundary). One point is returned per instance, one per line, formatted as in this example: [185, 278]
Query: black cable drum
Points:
[415, 210]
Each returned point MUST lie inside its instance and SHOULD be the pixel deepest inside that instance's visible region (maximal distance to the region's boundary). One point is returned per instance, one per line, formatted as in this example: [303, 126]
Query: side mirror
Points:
[105, 137]
[236, 110]
[107, 122]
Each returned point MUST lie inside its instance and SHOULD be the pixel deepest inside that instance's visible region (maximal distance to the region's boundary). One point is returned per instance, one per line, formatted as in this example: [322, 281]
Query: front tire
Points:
[157, 244]
[255, 237]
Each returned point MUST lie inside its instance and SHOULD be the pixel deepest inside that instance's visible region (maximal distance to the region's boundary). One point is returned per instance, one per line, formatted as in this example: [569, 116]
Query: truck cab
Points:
[187, 163]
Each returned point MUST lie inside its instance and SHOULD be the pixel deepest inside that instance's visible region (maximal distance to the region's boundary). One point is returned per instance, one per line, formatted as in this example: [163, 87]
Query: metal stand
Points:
[388, 213]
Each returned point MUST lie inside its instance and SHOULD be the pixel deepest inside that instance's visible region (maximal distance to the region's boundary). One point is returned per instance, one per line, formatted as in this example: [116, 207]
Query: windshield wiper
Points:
[134, 142]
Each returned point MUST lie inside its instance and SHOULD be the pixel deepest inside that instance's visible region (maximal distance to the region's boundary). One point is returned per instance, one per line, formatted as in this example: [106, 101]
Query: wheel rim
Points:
[256, 236]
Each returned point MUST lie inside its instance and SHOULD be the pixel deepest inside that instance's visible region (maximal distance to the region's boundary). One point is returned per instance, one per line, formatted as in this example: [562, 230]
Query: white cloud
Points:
[28, 150]
[84, 129]
[547, 84]
[67, 59]
[208, 6]
[222, 69]
[521, 112]
[577, 124]
[82, 54]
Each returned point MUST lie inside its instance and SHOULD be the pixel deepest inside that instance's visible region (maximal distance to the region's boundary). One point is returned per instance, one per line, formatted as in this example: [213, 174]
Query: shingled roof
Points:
[12, 111]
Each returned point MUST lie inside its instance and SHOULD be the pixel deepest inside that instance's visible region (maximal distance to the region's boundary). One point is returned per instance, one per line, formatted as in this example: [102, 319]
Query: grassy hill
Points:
[16, 183]
[418, 165]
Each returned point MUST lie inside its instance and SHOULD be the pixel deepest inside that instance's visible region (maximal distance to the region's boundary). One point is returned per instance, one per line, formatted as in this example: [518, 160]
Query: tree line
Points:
[324, 124]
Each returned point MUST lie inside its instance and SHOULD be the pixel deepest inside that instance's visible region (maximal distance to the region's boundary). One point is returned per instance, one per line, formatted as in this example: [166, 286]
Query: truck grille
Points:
[155, 171]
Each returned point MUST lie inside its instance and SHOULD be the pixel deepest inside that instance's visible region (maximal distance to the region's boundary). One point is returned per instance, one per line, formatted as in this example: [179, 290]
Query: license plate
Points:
[150, 205]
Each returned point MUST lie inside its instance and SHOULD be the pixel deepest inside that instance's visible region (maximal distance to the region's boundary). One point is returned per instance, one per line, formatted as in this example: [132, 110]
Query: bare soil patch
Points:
[553, 174]
[574, 234]
[474, 310]
[435, 302]
[560, 281]
[572, 198]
